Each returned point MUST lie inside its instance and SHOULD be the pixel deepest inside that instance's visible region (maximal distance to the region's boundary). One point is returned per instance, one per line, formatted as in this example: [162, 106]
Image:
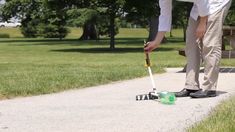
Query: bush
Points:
[53, 31]
[51, 25]
[103, 26]
[33, 29]
[29, 28]
[4, 35]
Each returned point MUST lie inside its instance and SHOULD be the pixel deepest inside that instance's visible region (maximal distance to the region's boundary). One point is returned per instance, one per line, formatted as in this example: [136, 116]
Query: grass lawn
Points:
[41, 66]
[221, 119]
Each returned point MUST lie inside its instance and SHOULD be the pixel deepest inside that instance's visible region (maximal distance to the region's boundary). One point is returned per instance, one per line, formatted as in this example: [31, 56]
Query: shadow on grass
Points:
[108, 50]
[26, 42]
[63, 40]
[102, 41]
[15, 40]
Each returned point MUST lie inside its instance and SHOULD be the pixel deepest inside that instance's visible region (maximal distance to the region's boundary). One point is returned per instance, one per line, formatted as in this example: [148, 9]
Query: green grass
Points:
[221, 119]
[4, 35]
[41, 66]
[12, 32]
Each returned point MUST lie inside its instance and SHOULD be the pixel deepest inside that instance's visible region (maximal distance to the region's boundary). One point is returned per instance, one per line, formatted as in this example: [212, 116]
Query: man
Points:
[204, 38]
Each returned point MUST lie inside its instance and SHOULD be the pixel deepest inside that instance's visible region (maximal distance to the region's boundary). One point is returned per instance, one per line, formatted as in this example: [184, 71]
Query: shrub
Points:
[53, 31]
[29, 28]
[4, 35]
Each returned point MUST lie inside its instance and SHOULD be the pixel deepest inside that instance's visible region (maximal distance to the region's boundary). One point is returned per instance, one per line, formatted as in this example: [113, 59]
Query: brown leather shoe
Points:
[185, 92]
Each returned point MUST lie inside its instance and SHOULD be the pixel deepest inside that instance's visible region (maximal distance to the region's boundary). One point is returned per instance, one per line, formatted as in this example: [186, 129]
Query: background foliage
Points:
[50, 18]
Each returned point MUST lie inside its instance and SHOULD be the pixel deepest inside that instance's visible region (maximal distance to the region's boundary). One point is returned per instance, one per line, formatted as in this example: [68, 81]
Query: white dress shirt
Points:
[200, 8]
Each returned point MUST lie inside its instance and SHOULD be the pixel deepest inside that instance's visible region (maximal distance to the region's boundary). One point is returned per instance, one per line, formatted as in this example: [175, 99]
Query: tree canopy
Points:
[50, 18]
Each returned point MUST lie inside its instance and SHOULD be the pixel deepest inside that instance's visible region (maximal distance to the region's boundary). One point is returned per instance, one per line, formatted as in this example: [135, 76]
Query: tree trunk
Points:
[153, 28]
[184, 30]
[89, 32]
[112, 30]
[171, 35]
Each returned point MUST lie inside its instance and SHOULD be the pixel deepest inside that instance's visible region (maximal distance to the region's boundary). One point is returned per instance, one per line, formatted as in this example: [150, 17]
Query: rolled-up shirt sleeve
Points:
[165, 18]
[203, 7]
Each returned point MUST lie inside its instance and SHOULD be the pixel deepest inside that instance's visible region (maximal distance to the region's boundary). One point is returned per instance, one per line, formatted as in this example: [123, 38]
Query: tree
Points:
[114, 9]
[180, 16]
[54, 19]
[230, 19]
[144, 13]
[27, 11]
[86, 18]
[38, 17]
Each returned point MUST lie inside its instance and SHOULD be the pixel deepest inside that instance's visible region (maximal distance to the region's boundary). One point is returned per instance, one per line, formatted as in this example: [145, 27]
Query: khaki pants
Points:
[210, 51]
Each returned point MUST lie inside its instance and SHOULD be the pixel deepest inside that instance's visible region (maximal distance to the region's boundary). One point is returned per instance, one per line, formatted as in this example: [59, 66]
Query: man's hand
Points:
[201, 29]
[150, 46]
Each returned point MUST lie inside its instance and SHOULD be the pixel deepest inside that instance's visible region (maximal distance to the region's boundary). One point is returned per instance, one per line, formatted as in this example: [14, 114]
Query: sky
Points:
[2, 1]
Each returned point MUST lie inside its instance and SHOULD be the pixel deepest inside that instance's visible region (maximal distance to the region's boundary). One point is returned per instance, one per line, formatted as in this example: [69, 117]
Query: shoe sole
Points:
[181, 96]
[214, 95]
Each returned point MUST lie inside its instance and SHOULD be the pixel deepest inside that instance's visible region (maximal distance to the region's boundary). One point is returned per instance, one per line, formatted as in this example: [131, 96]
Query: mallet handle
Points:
[147, 60]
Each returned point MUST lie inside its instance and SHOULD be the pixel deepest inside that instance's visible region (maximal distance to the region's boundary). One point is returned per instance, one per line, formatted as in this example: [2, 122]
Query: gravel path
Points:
[111, 108]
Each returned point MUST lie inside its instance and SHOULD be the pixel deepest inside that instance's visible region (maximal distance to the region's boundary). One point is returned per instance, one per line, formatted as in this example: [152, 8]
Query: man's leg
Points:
[212, 44]
[193, 57]
[193, 61]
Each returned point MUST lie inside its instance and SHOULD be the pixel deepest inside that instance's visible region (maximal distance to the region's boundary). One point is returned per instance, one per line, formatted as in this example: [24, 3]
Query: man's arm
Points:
[203, 10]
[165, 17]
[164, 24]
[203, 7]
